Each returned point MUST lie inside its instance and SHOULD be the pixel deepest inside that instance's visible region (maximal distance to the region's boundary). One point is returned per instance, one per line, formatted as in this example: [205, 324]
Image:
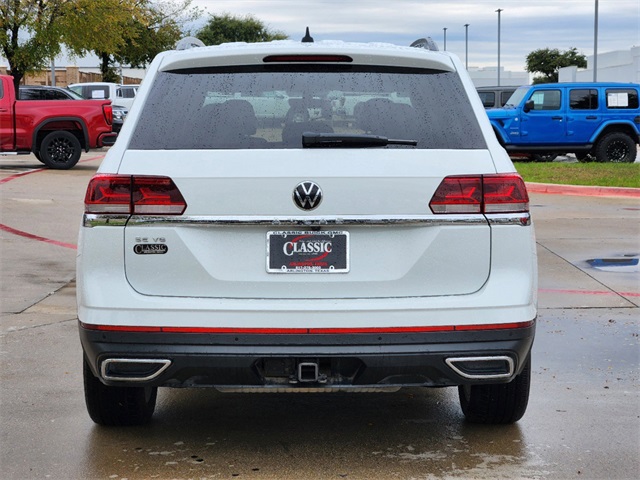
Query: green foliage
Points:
[32, 32]
[159, 25]
[227, 28]
[549, 61]
[591, 174]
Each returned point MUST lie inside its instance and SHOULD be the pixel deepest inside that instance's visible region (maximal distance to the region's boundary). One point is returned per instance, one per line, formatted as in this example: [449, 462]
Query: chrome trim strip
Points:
[278, 221]
[509, 360]
[102, 220]
[95, 220]
[103, 368]
[522, 219]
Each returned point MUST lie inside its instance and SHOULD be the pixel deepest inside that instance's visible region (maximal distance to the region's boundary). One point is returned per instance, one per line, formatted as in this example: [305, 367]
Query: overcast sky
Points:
[526, 25]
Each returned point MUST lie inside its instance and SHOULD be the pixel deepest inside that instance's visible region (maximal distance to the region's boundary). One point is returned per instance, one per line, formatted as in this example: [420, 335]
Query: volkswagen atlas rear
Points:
[306, 217]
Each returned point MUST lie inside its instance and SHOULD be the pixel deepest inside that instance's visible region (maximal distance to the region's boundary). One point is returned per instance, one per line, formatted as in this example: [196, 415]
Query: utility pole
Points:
[499, 10]
[595, 45]
[53, 72]
[466, 46]
[445, 38]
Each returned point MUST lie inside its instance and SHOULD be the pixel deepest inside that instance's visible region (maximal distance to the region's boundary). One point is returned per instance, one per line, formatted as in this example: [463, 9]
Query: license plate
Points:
[307, 252]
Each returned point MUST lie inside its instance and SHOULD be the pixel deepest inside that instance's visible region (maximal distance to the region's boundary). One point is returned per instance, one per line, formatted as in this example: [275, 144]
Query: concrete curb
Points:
[582, 190]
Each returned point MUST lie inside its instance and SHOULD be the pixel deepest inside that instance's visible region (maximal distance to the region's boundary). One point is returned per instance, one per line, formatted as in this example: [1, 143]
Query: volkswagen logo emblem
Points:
[307, 195]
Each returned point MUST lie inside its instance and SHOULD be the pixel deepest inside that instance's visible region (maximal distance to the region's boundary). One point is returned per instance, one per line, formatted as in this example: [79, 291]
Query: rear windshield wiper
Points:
[338, 140]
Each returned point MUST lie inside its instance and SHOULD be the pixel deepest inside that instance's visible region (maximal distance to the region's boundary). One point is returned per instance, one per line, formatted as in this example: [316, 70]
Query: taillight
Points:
[481, 194]
[108, 113]
[127, 194]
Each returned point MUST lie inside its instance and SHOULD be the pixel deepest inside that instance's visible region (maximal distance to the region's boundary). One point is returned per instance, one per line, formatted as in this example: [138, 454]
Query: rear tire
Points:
[616, 147]
[496, 404]
[60, 150]
[117, 406]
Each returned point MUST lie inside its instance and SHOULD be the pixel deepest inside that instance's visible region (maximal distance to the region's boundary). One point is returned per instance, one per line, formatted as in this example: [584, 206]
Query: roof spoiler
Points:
[426, 43]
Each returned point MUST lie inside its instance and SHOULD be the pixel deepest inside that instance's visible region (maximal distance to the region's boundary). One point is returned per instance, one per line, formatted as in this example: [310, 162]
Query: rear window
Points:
[29, 94]
[271, 106]
[488, 99]
[622, 98]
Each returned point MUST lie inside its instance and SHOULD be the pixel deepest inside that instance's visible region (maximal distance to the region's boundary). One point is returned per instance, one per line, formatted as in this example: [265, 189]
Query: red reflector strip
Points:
[307, 58]
[312, 331]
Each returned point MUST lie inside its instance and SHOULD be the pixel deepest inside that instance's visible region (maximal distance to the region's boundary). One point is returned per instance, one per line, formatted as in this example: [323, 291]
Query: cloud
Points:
[525, 26]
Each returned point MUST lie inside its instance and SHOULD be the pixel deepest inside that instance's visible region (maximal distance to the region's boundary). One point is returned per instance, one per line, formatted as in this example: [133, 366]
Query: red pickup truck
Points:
[55, 131]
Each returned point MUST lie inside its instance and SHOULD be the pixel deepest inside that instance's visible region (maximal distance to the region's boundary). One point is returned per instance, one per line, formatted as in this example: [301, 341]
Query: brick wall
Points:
[65, 76]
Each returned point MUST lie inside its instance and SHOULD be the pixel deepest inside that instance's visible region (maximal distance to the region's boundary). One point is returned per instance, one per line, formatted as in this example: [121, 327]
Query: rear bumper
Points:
[107, 139]
[299, 361]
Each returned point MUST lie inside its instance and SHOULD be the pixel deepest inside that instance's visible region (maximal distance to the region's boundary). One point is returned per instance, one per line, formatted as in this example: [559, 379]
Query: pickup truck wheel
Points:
[60, 150]
[500, 403]
[117, 406]
[616, 147]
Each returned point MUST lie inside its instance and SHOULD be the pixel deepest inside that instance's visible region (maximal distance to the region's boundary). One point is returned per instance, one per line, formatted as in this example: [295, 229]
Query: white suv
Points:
[372, 235]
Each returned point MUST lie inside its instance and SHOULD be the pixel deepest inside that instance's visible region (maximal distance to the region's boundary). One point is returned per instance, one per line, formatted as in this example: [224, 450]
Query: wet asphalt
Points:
[583, 420]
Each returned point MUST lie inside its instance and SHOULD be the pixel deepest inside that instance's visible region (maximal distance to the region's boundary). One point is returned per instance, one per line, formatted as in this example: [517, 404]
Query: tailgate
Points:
[241, 203]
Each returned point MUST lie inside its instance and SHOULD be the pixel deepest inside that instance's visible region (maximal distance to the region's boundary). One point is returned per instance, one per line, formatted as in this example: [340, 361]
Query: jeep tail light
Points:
[108, 113]
[480, 194]
[132, 194]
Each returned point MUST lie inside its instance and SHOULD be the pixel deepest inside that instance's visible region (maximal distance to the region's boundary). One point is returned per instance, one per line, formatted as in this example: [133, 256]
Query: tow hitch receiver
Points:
[308, 372]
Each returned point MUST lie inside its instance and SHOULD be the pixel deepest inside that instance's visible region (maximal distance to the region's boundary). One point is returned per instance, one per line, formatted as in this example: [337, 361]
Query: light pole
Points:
[445, 38]
[466, 46]
[53, 72]
[499, 10]
[595, 45]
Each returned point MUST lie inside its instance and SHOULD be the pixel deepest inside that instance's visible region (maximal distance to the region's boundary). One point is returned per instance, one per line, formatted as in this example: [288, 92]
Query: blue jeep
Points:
[600, 120]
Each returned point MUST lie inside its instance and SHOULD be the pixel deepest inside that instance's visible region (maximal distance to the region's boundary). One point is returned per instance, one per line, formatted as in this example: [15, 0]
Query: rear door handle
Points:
[591, 117]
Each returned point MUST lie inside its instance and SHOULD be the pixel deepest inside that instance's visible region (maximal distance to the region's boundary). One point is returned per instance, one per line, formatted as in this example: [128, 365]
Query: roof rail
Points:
[189, 42]
[426, 43]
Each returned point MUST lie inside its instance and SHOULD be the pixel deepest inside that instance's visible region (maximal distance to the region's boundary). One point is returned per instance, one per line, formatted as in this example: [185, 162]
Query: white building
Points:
[488, 77]
[617, 66]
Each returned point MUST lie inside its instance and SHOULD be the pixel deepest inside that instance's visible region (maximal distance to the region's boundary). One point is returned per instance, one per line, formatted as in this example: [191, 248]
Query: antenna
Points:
[307, 38]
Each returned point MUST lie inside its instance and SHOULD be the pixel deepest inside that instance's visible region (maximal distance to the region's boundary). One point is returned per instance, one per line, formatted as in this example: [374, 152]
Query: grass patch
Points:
[591, 174]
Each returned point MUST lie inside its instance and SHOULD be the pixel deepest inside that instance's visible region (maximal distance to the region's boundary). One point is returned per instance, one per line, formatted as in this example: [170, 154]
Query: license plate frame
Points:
[310, 252]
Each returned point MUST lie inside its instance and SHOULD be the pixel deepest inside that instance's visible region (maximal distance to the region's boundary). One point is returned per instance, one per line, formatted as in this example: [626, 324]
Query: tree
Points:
[227, 28]
[549, 61]
[32, 32]
[158, 28]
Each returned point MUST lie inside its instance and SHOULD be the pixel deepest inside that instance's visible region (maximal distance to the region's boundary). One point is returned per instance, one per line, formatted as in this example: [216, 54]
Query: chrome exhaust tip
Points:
[132, 369]
[483, 368]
